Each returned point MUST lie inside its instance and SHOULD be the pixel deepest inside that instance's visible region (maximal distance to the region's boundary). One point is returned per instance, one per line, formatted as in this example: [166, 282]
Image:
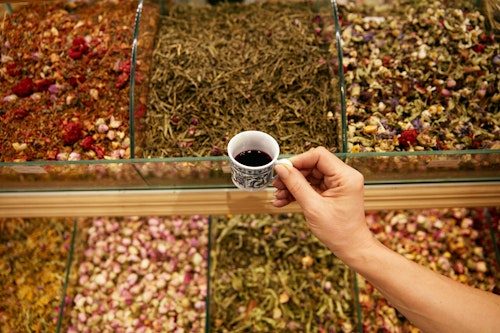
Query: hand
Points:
[330, 194]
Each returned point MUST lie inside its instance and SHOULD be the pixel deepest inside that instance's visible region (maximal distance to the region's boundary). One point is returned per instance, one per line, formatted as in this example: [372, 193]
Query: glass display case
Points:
[148, 100]
[223, 273]
[118, 113]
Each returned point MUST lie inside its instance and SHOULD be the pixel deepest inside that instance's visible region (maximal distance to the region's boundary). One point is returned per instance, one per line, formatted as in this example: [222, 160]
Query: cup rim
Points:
[273, 160]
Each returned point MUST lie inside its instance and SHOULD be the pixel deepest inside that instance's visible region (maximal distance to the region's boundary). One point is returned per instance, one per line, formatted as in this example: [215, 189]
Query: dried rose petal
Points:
[408, 138]
[88, 142]
[19, 113]
[140, 111]
[72, 133]
[99, 151]
[125, 67]
[24, 88]
[79, 48]
[13, 70]
[122, 80]
[43, 85]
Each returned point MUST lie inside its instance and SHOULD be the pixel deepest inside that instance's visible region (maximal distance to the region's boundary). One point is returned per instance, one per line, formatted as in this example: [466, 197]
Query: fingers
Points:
[296, 187]
[320, 162]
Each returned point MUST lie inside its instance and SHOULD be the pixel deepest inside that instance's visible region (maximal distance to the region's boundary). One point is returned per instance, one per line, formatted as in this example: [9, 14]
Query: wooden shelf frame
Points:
[229, 201]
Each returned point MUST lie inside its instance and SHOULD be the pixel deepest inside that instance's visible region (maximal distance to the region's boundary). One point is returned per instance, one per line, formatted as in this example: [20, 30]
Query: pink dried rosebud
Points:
[102, 128]
[53, 89]
[215, 152]
[445, 92]
[88, 142]
[24, 88]
[193, 121]
[74, 156]
[72, 133]
[9, 98]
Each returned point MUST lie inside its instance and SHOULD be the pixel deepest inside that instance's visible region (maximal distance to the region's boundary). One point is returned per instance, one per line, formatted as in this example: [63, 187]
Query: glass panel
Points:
[65, 69]
[33, 259]
[139, 274]
[40, 176]
[213, 172]
[269, 66]
[269, 274]
[444, 166]
[453, 242]
[146, 27]
[185, 124]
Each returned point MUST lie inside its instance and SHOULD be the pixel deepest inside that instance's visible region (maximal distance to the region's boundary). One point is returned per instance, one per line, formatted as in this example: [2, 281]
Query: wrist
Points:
[361, 254]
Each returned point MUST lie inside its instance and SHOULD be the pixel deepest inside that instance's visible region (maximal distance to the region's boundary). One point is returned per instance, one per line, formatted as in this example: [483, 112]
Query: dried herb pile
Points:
[219, 70]
[64, 80]
[420, 75]
[453, 242]
[33, 259]
[269, 274]
[139, 274]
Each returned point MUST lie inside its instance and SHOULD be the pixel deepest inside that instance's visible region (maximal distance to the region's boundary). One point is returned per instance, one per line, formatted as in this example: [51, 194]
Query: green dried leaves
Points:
[258, 66]
[269, 273]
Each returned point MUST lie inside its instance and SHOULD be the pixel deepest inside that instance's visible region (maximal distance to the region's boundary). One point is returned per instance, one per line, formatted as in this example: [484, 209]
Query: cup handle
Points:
[282, 161]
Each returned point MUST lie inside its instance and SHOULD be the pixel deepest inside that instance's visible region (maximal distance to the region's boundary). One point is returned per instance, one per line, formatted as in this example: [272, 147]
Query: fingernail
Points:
[283, 170]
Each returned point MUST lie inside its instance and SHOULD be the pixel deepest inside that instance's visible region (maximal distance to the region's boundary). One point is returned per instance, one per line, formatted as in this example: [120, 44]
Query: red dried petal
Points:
[478, 48]
[79, 48]
[140, 111]
[72, 133]
[408, 138]
[88, 142]
[43, 85]
[13, 70]
[19, 113]
[24, 88]
[78, 41]
[73, 81]
[75, 54]
[99, 151]
[125, 67]
[122, 80]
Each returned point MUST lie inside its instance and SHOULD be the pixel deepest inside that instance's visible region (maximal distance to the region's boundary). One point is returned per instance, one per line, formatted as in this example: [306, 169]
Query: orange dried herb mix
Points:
[64, 73]
[33, 259]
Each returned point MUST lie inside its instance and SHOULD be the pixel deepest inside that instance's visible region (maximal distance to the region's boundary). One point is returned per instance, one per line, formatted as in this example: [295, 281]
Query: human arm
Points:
[330, 194]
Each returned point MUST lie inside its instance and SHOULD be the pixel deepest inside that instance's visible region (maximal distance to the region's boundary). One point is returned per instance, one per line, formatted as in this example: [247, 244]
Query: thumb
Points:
[297, 184]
